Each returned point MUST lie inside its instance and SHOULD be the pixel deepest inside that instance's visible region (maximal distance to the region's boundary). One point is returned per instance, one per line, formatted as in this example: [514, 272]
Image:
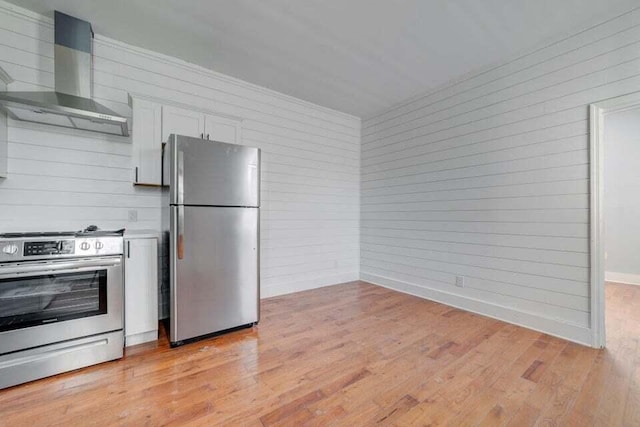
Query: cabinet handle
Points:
[136, 174]
[128, 248]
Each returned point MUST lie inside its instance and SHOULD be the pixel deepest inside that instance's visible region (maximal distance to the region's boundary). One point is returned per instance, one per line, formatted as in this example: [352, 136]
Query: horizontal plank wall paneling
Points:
[487, 179]
[61, 179]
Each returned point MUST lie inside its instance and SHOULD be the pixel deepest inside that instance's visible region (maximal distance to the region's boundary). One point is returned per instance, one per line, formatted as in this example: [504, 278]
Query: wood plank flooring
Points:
[356, 354]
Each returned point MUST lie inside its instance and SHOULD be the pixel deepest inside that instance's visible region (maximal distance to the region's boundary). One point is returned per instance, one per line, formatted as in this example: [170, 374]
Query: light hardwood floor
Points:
[356, 354]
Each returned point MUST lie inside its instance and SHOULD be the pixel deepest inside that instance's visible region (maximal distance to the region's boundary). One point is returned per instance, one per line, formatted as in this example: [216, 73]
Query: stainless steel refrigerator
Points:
[211, 213]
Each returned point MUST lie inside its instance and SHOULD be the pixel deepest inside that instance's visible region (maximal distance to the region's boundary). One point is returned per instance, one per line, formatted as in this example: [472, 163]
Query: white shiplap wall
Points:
[61, 179]
[487, 178]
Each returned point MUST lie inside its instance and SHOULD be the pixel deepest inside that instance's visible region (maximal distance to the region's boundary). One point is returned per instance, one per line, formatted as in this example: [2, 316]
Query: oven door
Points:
[43, 302]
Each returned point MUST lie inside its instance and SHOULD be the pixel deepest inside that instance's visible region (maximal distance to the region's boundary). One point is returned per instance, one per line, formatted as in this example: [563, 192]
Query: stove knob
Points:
[85, 246]
[10, 249]
[99, 245]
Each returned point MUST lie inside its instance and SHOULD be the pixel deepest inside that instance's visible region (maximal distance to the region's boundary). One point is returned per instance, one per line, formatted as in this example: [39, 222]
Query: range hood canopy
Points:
[70, 105]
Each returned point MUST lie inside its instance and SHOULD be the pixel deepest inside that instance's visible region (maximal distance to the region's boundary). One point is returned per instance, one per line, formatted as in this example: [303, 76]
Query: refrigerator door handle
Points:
[180, 221]
[180, 183]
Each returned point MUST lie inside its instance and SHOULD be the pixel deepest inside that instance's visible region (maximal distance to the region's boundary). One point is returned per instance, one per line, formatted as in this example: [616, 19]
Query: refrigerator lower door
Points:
[214, 274]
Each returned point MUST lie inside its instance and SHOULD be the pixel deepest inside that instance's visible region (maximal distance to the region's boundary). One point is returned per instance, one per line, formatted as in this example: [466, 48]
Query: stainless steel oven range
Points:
[61, 303]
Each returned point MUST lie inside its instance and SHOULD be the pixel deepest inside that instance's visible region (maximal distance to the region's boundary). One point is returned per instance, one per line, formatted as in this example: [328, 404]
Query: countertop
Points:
[141, 234]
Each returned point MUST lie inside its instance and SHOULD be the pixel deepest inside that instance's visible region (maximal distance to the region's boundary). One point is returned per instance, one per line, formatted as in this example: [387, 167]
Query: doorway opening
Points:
[614, 209]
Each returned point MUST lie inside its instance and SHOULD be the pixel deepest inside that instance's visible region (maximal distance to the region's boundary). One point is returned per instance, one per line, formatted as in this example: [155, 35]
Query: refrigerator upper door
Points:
[214, 274]
[210, 173]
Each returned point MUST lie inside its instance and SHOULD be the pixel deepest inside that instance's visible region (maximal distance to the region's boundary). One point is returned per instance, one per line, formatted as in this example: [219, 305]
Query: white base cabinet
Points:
[140, 289]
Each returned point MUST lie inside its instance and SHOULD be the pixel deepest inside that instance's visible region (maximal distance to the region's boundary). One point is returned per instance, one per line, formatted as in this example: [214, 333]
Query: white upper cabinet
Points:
[223, 129]
[147, 146]
[182, 122]
[186, 122]
[154, 121]
[4, 81]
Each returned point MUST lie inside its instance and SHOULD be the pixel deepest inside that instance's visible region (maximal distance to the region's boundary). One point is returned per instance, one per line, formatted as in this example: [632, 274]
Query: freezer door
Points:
[211, 173]
[214, 274]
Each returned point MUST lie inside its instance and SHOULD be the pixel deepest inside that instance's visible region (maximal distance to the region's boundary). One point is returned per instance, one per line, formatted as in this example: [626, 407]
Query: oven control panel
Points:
[15, 250]
[51, 247]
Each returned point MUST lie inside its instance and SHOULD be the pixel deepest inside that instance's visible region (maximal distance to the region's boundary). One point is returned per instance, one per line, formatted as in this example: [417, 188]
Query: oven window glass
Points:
[37, 300]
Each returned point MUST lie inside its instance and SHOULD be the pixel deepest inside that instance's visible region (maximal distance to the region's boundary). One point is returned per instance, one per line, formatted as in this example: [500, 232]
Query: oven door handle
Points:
[59, 267]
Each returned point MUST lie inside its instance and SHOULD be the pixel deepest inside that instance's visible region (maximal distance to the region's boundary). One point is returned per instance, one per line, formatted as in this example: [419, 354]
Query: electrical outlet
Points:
[460, 281]
[133, 215]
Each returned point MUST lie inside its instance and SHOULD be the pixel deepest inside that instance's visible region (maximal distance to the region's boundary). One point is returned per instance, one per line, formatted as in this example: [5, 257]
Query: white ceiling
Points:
[356, 56]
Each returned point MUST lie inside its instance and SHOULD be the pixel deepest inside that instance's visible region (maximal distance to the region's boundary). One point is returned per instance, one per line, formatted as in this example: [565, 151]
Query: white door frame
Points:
[597, 113]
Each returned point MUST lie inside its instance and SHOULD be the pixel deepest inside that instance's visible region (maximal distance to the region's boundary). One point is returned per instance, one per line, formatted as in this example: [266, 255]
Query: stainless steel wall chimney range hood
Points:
[71, 104]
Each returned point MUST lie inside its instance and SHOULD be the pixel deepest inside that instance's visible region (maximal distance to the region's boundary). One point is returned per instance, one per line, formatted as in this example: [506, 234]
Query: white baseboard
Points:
[626, 278]
[568, 331]
[140, 338]
[298, 286]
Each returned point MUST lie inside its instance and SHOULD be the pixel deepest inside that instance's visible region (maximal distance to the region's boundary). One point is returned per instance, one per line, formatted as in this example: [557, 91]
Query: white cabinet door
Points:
[181, 122]
[223, 129]
[141, 290]
[153, 122]
[4, 79]
[147, 146]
